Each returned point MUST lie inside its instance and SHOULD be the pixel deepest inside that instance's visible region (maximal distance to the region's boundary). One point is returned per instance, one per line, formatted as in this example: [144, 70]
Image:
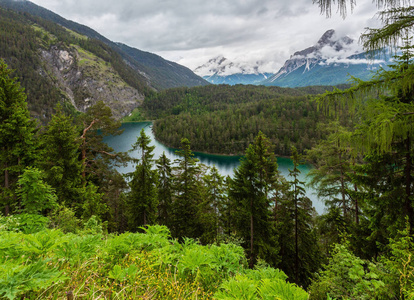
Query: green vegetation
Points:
[73, 226]
[135, 116]
[92, 265]
[225, 119]
[24, 36]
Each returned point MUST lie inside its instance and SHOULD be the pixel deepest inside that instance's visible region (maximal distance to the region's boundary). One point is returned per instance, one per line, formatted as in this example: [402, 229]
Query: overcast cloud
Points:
[191, 32]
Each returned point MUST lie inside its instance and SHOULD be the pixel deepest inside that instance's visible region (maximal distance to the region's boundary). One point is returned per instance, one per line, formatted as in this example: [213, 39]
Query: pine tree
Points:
[211, 208]
[143, 195]
[59, 158]
[185, 221]
[17, 141]
[300, 255]
[250, 192]
[165, 190]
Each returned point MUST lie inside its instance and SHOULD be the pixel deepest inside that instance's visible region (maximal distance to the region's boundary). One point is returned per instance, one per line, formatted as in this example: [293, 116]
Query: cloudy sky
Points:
[191, 32]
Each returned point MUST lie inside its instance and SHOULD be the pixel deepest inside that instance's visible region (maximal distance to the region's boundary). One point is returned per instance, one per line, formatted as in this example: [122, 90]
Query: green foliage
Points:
[185, 219]
[225, 119]
[92, 204]
[398, 267]
[36, 195]
[131, 265]
[26, 223]
[250, 192]
[262, 283]
[64, 218]
[93, 226]
[15, 280]
[347, 276]
[17, 143]
[135, 116]
[142, 200]
[59, 158]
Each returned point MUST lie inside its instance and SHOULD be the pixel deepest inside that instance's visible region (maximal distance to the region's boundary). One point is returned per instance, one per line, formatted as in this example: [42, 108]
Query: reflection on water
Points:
[225, 164]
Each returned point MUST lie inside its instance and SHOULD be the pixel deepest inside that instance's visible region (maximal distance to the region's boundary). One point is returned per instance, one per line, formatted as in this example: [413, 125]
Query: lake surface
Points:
[225, 164]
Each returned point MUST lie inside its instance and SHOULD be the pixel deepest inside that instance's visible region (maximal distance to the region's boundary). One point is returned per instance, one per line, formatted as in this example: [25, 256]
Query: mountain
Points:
[220, 70]
[60, 61]
[330, 62]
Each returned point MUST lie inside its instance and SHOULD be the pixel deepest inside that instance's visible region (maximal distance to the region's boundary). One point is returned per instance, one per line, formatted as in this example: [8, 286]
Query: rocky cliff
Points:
[85, 79]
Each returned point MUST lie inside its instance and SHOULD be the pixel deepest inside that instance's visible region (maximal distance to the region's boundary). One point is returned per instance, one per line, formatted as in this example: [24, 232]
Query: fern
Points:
[18, 279]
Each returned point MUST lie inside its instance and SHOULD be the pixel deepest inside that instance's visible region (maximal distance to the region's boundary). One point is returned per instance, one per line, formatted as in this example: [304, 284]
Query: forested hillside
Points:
[158, 72]
[59, 61]
[59, 66]
[225, 119]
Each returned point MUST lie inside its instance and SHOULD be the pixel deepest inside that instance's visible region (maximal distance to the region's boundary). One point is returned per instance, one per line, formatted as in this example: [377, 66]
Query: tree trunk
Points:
[296, 240]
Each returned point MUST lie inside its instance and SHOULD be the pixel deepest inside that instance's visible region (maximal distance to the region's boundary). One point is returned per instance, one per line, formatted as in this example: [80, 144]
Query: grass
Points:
[41, 263]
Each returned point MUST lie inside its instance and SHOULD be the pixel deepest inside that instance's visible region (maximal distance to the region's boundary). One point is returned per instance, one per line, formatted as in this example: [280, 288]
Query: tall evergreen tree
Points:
[185, 221]
[143, 195]
[59, 158]
[17, 142]
[300, 255]
[165, 190]
[211, 207]
[251, 191]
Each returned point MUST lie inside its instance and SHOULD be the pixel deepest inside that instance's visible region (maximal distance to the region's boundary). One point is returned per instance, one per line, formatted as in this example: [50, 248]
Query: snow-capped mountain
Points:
[220, 70]
[331, 61]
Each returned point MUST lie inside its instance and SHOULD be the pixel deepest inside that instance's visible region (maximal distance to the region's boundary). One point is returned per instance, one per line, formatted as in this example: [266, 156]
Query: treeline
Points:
[225, 119]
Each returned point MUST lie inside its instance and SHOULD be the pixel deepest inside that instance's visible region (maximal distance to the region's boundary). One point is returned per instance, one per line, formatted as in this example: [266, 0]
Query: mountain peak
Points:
[333, 55]
[326, 37]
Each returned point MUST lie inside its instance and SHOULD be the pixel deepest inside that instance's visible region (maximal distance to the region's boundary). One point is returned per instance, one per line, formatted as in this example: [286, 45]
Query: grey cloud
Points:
[265, 30]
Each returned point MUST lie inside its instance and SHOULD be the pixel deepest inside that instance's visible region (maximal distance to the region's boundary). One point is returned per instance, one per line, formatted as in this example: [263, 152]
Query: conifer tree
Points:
[211, 207]
[185, 221]
[59, 158]
[17, 142]
[300, 255]
[143, 196]
[250, 191]
[164, 188]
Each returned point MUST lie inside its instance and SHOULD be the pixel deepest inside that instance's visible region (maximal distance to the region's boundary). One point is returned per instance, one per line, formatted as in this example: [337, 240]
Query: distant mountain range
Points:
[220, 70]
[58, 60]
[330, 61]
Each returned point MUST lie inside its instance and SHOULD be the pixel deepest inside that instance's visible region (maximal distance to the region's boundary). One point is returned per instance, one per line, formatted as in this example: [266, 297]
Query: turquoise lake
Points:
[225, 164]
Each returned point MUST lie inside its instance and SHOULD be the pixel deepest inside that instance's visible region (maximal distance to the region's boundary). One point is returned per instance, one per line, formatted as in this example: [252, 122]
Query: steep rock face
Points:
[86, 79]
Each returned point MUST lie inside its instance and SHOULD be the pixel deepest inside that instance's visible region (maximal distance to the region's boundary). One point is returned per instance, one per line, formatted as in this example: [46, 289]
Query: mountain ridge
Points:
[56, 64]
[220, 70]
[330, 62]
[26, 6]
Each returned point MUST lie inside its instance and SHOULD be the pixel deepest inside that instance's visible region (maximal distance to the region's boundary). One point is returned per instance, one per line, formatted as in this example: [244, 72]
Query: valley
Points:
[124, 175]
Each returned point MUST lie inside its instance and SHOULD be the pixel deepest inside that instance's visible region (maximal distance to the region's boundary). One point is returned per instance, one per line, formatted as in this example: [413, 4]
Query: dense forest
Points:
[72, 226]
[225, 119]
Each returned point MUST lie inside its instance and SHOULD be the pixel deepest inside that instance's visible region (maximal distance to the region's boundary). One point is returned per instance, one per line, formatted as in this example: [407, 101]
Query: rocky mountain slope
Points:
[330, 62]
[57, 60]
[220, 70]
